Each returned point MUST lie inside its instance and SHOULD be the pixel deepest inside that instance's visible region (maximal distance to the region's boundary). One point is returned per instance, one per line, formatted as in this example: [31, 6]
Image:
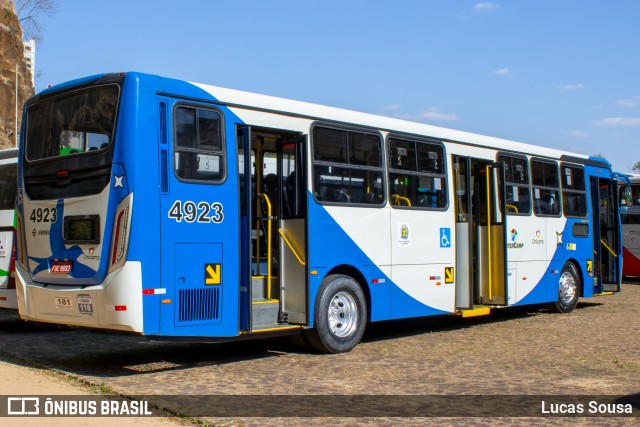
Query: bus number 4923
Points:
[43, 215]
[202, 212]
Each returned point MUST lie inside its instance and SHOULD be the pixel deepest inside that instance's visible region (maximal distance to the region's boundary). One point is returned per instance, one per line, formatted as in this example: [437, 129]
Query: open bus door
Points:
[491, 234]
[272, 177]
[606, 236]
[481, 257]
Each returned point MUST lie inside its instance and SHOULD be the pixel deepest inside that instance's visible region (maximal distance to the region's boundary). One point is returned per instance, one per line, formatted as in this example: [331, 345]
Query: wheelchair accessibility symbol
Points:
[445, 237]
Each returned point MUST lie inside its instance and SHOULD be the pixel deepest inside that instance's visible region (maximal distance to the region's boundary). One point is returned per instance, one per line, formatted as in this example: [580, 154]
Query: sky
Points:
[556, 73]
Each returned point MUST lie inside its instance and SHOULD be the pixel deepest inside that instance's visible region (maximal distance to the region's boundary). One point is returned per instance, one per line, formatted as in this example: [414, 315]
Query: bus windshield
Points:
[73, 123]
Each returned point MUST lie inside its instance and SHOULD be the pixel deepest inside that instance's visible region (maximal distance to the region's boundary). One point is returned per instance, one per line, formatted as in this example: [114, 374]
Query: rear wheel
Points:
[340, 315]
[568, 290]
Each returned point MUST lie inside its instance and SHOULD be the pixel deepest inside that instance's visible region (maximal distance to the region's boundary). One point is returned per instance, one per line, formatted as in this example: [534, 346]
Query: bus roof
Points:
[321, 112]
[238, 98]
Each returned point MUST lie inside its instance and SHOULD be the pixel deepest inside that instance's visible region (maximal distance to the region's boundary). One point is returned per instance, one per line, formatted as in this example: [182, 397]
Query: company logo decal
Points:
[514, 244]
[538, 240]
[92, 254]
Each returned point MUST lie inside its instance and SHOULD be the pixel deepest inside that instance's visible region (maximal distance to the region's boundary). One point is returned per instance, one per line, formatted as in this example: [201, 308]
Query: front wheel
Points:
[568, 290]
[340, 315]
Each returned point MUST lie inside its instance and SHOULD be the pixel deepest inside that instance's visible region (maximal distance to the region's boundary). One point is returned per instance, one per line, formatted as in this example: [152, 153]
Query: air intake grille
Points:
[164, 177]
[199, 305]
[163, 123]
[164, 174]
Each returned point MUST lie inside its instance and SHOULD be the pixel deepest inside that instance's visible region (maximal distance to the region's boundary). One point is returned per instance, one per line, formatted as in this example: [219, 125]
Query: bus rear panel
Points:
[74, 210]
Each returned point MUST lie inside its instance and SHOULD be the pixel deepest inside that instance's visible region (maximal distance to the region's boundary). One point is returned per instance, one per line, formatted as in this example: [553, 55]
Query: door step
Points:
[475, 312]
[258, 288]
[264, 313]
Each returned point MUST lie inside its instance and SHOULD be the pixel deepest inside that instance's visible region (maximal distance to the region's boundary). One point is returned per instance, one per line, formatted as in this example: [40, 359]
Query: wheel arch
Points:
[355, 274]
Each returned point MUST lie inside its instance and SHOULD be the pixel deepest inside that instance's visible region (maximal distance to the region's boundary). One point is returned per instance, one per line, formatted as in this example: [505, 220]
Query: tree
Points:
[636, 167]
[30, 14]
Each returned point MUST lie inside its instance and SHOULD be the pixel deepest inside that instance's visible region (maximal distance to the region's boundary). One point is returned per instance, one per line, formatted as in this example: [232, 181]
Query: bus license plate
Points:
[61, 267]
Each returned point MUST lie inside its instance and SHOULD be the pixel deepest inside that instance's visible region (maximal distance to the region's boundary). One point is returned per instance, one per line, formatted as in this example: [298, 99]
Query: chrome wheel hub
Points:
[568, 288]
[343, 314]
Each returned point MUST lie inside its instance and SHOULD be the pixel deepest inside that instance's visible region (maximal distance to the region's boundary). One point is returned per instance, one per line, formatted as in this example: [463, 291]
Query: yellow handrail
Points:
[396, 199]
[266, 199]
[300, 260]
[608, 248]
[513, 208]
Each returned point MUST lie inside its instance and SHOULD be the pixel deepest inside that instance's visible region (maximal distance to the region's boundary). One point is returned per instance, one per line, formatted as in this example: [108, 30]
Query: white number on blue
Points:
[201, 212]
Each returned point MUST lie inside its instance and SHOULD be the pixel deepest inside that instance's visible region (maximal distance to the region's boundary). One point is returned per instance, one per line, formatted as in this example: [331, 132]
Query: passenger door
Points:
[606, 236]
[481, 258]
[491, 225]
[272, 175]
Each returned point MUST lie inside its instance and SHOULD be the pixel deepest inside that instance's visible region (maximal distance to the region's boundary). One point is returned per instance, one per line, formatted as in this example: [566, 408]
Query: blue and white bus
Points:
[8, 180]
[175, 209]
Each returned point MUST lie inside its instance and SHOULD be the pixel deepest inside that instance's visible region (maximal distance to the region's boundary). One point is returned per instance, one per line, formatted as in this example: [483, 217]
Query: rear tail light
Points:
[120, 234]
[20, 243]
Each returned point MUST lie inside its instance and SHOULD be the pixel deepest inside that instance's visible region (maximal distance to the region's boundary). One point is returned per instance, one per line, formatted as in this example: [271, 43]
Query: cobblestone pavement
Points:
[592, 351]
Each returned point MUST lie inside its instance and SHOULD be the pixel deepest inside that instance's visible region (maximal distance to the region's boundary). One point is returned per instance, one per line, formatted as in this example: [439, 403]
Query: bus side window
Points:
[546, 188]
[518, 193]
[416, 174]
[574, 193]
[347, 166]
[198, 147]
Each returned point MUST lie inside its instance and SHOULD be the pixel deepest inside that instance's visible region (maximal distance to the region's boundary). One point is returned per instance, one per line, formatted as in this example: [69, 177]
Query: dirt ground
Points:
[516, 351]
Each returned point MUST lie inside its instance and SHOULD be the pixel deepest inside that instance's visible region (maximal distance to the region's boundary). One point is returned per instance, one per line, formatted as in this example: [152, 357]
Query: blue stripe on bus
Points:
[328, 242]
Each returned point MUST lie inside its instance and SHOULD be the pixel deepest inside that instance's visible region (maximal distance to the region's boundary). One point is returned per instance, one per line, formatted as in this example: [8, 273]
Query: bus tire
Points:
[340, 315]
[568, 290]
